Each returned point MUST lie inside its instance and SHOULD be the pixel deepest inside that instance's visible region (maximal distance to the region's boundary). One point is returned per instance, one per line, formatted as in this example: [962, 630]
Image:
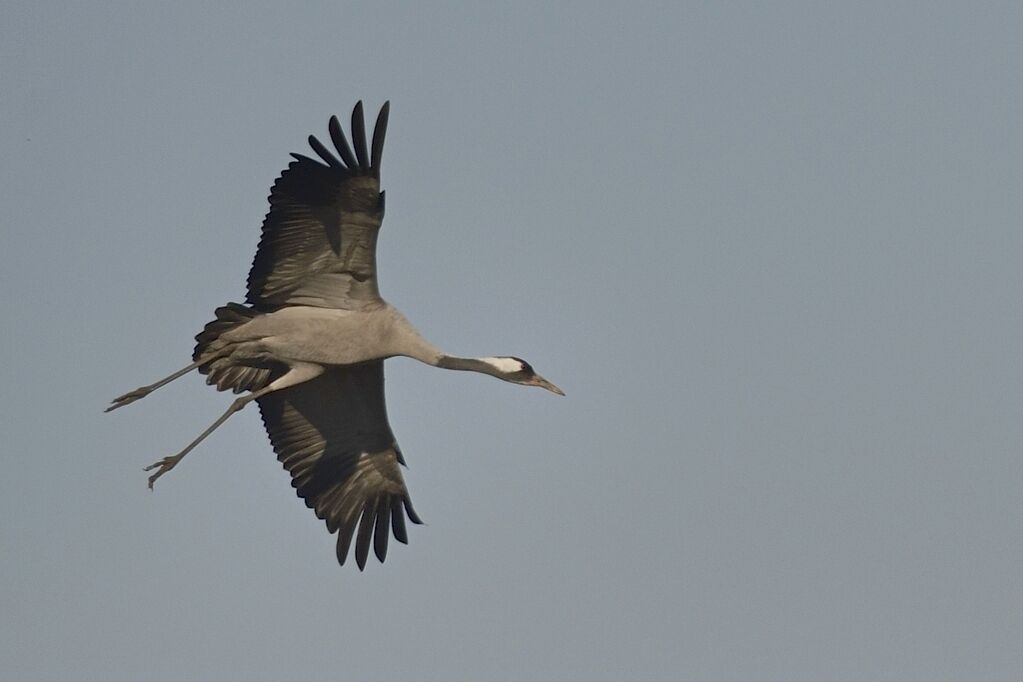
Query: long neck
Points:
[467, 364]
[415, 346]
[405, 340]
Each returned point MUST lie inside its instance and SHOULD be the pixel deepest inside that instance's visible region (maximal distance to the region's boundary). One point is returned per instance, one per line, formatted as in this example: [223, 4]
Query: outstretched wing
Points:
[318, 245]
[332, 435]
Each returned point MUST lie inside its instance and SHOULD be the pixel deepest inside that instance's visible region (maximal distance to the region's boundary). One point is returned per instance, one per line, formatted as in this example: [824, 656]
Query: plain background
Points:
[771, 251]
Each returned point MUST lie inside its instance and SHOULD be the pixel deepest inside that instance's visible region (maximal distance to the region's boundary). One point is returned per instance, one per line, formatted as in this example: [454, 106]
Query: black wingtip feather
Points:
[398, 521]
[374, 526]
[382, 530]
[413, 517]
[324, 153]
[365, 535]
[301, 158]
[337, 136]
[379, 131]
[344, 541]
[359, 136]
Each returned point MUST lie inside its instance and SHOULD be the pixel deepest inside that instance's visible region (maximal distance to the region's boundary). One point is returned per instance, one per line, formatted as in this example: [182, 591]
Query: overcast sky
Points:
[771, 251]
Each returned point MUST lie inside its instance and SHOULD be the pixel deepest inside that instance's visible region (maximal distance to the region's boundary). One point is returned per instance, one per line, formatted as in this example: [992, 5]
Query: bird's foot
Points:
[162, 467]
[129, 397]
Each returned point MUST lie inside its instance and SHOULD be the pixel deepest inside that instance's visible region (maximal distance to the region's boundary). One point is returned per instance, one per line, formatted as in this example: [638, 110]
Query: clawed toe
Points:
[162, 467]
[127, 398]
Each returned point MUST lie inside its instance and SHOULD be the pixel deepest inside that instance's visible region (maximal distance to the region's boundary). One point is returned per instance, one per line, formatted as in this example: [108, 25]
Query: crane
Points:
[309, 343]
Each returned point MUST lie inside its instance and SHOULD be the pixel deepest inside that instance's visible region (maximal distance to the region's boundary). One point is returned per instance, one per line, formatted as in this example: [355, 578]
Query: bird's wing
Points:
[318, 245]
[332, 435]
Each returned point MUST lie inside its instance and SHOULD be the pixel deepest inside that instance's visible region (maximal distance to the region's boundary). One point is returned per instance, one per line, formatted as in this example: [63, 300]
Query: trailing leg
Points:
[132, 396]
[168, 463]
[296, 375]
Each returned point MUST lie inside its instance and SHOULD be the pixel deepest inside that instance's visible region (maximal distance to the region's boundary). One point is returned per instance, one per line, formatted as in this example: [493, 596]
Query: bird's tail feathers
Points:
[214, 353]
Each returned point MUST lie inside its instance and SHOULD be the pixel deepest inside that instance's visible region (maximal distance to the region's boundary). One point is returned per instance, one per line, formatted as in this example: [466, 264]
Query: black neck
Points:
[467, 364]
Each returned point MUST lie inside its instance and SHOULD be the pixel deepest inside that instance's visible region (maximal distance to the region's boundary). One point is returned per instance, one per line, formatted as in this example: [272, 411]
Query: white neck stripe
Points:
[506, 365]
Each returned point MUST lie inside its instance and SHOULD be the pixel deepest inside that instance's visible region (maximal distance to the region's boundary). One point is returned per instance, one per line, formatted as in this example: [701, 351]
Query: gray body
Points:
[310, 341]
[327, 337]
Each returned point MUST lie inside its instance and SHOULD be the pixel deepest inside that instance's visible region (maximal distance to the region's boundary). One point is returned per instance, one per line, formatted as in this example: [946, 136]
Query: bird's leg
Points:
[132, 396]
[168, 463]
[298, 373]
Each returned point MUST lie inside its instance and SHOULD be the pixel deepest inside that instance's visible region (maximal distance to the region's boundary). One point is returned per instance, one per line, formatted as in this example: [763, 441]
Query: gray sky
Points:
[771, 253]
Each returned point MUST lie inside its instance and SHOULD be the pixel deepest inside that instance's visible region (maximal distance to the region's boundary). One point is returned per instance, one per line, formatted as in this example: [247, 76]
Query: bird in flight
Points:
[309, 343]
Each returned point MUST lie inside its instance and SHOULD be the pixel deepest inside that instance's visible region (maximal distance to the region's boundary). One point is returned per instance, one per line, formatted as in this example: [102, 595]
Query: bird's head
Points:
[518, 371]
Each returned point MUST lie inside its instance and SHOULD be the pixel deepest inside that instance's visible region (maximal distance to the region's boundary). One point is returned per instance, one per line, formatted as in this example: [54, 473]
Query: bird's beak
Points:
[543, 383]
